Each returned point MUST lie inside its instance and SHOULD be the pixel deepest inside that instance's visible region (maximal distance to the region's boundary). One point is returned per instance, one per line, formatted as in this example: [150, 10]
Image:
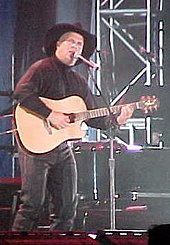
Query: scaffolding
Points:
[117, 18]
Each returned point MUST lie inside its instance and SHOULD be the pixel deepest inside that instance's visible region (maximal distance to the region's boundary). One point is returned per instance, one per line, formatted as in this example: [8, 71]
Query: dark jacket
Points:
[52, 79]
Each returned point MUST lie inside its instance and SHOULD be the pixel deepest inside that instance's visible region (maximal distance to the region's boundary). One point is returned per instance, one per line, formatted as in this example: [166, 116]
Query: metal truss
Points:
[148, 14]
[109, 14]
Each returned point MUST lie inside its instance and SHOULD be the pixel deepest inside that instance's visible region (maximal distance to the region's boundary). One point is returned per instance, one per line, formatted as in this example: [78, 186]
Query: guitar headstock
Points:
[149, 103]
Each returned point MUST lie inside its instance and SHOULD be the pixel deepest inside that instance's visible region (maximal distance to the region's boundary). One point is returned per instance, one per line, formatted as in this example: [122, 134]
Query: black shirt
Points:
[52, 79]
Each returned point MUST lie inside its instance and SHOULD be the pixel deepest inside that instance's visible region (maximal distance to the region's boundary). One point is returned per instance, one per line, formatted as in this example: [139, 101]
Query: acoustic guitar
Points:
[35, 135]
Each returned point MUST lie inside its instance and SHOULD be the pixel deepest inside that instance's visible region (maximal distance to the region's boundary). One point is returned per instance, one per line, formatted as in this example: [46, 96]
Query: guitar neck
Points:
[103, 111]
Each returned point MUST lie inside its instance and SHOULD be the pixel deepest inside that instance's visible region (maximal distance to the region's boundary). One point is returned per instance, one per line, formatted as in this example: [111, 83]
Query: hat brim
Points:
[54, 34]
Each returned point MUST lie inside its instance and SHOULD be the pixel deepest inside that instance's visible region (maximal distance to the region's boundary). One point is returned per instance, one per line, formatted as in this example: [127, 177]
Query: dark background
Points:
[23, 25]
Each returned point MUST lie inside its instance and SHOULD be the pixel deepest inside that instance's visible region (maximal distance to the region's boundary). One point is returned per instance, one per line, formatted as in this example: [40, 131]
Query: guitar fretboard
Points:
[102, 111]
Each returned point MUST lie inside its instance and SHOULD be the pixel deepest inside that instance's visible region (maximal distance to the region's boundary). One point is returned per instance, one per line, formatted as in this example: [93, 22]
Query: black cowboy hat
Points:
[54, 34]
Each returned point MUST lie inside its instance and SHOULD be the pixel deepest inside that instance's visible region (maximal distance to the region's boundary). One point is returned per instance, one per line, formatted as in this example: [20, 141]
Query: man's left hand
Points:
[126, 113]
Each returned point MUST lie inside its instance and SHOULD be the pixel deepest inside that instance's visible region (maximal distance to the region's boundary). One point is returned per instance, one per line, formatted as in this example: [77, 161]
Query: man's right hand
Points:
[58, 120]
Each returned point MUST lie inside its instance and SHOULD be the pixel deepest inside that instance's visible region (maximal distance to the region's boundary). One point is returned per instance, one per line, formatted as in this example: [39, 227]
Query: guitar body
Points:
[32, 134]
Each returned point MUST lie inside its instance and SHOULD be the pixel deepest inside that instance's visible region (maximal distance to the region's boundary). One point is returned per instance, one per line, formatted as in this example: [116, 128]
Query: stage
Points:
[51, 238]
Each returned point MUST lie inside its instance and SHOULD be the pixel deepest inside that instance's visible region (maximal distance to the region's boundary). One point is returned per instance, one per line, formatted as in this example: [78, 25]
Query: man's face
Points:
[68, 45]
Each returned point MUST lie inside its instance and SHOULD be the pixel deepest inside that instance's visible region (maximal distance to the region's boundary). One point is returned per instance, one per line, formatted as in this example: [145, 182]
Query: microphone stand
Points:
[112, 167]
[112, 162]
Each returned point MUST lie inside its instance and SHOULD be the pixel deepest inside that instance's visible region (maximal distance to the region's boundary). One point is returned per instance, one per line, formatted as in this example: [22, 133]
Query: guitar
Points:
[36, 136]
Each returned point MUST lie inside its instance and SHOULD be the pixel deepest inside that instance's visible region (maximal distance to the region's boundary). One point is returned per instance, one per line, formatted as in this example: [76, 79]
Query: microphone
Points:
[90, 63]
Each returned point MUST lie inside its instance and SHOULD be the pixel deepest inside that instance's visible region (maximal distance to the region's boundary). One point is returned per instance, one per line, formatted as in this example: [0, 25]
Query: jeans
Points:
[56, 173]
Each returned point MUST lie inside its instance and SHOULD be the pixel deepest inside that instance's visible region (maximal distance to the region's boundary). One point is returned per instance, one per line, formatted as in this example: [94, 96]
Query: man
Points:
[54, 170]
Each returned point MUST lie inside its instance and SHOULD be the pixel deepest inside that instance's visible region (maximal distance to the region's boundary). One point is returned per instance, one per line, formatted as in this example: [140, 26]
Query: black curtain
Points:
[33, 20]
[35, 17]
